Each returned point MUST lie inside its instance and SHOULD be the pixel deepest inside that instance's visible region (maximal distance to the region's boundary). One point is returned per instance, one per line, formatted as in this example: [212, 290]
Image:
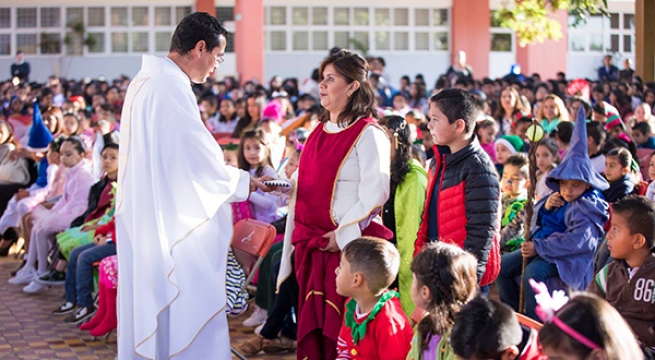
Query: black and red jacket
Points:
[468, 206]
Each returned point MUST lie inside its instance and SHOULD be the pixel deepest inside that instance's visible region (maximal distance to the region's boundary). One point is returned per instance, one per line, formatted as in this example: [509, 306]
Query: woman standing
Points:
[340, 187]
[402, 212]
[510, 109]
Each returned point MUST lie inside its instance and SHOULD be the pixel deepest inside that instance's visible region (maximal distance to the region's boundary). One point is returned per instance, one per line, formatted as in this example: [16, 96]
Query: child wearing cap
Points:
[506, 146]
[568, 226]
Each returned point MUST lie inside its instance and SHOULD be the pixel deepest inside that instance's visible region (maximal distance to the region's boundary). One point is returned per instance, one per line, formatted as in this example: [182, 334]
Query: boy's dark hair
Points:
[400, 95]
[523, 120]
[596, 131]
[423, 127]
[211, 99]
[110, 146]
[483, 329]
[457, 104]
[377, 260]
[564, 131]
[520, 160]
[643, 128]
[585, 103]
[640, 211]
[195, 27]
[598, 88]
[55, 144]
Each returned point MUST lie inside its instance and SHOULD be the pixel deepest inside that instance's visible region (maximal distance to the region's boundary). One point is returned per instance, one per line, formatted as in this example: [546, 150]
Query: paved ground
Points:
[29, 331]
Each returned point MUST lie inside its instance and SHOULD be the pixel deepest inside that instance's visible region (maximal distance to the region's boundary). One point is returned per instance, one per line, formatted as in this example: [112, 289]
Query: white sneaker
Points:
[257, 317]
[258, 329]
[34, 287]
[24, 276]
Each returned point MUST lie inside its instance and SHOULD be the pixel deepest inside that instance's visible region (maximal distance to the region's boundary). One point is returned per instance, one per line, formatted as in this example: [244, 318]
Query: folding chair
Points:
[251, 241]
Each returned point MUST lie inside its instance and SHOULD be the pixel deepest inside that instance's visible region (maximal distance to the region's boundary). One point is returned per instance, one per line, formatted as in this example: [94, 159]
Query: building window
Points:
[342, 16]
[382, 41]
[26, 17]
[50, 17]
[140, 42]
[181, 12]
[98, 45]
[74, 16]
[118, 16]
[5, 18]
[140, 16]
[300, 16]
[441, 41]
[96, 16]
[422, 41]
[5, 44]
[163, 16]
[629, 22]
[50, 43]
[162, 41]
[224, 13]
[319, 16]
[300, 40]
[360, 39]
[401, 17]
[342, 39]
[361, 17]
[278, 40]
[599, 34]
[119, 42]
[421, 17]
[382, 17]
[440, 17]
[278, 15]
[501, 42]
[320, 40]
[401, 41]
[578, 42]
[26, 43]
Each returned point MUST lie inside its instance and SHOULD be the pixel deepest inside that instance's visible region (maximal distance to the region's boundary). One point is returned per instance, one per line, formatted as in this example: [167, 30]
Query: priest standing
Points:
[173, 217]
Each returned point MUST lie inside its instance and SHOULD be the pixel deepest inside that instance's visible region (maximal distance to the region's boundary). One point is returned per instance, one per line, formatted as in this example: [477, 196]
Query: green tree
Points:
[531, 18]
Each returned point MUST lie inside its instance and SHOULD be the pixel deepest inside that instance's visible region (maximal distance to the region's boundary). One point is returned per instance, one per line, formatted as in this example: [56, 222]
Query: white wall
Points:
[111, 67]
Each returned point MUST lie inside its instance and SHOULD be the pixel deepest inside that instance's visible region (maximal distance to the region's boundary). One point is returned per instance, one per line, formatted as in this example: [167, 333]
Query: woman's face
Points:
[650, 98]
[50, 122]
[507, 99]
[550, 109]
[333, 90]
[70, 125]
[413, 90]
[16, 106]
[227, 109]
[241, 110]
[253, 109]
[640, 114]
[542, 92]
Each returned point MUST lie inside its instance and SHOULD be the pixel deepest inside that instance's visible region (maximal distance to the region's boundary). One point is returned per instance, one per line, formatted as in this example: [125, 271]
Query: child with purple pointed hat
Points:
[566, 229]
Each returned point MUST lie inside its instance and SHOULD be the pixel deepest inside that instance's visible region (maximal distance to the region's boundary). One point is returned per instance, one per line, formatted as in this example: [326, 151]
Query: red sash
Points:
[320, 308]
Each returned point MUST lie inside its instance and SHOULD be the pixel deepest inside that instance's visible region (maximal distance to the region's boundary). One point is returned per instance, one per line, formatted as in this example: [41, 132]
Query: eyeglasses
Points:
[220, 59]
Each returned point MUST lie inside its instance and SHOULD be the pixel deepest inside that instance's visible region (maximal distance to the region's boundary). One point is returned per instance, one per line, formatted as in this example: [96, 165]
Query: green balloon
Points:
[535, 133]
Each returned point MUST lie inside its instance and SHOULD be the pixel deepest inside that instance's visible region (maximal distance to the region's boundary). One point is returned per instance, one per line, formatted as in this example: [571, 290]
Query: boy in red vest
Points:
[463, 200]
[375, 326]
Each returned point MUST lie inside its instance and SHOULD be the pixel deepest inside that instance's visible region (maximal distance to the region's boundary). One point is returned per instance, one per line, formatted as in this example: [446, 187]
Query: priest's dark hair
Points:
[195, 27]
[352, 67]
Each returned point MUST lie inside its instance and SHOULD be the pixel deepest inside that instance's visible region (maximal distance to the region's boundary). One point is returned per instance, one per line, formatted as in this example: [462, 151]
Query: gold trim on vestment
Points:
[320, 293]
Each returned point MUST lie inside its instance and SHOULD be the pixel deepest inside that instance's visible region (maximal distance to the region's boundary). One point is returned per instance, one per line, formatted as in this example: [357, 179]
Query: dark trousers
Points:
[79, 276]
[282, 318]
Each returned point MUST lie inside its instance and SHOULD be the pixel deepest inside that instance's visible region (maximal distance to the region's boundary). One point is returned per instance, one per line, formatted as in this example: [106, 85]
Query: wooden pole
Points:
[529, 209]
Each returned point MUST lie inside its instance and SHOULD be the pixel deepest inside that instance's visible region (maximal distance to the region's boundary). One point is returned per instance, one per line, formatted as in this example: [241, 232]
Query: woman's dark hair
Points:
[622, 155]
[259, 136]
[53, 113]
[420, 93]
[450, 274]
[400, 165]
[244, 122]
[193, 28]
[222, 118]
[518, 105]
[77, 143]
[649, 91]
[622, 99]
[595, 319]
[352, 67]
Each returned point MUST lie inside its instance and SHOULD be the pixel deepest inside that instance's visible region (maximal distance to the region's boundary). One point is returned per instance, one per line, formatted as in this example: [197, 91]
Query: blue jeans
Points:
[79, 276]
[508, 286]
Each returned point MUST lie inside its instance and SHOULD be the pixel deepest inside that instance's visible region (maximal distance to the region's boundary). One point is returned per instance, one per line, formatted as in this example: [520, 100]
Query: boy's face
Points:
[427, 140]
[399, 103]
[442, 131]
[620, 242]
[592, 147]
[110, 160]
[231, 158]
[521, 129]
[651, 168]
[502, 153]
[616, 131]
[513, 181]
[639, 137]
[345, 278]
[571, 190]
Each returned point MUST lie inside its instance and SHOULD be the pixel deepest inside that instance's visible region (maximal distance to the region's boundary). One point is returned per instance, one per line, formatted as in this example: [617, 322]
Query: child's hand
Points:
[265, 188]
[22, 194]
[528, 250]
[554, 201]
[100, 240]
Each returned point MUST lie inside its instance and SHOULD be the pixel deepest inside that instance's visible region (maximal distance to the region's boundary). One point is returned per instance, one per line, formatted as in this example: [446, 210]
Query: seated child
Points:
[520, 129]
[615, 126]
[587, 327]
[444, 281]
[562, 135]
[488, 329]
[642, 135]
[617, 172]
[375, 326]
[486, 131]
[568, 227]
[650, 192]
[595, 140]
[627, 282]
[547, 159]
[513, 186]
[506, 146]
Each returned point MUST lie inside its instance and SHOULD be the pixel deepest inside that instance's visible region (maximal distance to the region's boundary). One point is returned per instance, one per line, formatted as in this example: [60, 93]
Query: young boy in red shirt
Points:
[375, 326]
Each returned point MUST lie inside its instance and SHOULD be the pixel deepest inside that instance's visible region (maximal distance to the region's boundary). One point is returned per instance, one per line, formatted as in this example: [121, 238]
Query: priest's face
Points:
[209, 61]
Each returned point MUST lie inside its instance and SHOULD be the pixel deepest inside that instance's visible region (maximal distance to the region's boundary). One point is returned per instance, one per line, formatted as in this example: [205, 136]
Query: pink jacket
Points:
[73, 201]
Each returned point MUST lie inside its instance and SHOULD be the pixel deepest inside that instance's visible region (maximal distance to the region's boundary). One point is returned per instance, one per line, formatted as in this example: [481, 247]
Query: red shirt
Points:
[108, 230]
[388, 336]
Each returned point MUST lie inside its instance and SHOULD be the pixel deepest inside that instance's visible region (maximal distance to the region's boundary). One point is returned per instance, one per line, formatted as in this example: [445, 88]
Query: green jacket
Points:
[445, 350]
[408, 207]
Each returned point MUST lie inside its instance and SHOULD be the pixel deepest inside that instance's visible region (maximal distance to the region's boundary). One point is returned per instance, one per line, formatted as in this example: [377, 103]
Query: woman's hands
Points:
[332, 245]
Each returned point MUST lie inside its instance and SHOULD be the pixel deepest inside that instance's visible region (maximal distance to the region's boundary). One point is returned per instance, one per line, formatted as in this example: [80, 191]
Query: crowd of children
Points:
[459, 179]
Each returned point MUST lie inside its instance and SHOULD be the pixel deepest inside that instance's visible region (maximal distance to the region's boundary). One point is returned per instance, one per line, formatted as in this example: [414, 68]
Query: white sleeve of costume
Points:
[374, 158]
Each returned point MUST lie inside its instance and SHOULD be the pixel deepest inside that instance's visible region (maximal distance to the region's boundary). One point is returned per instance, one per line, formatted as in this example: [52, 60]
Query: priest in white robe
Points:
[173, 217]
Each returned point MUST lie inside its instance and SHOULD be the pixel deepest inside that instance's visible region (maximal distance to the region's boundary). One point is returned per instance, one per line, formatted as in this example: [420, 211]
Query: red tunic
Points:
[320, 308]
[388, 336]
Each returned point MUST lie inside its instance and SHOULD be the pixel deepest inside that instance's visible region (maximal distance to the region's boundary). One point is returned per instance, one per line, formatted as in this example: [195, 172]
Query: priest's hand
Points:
[268, 188]
[256, 184]
[332, 242]
[528, 250]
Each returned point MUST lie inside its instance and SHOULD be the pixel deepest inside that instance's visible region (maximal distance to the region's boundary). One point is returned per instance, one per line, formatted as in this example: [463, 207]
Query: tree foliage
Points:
[532, 21]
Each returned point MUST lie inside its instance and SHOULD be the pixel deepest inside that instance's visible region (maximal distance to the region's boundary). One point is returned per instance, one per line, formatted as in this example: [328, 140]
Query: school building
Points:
[77, 39]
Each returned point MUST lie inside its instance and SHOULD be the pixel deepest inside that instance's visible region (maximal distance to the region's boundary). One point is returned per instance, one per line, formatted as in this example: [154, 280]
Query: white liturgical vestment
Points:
[173, 222]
